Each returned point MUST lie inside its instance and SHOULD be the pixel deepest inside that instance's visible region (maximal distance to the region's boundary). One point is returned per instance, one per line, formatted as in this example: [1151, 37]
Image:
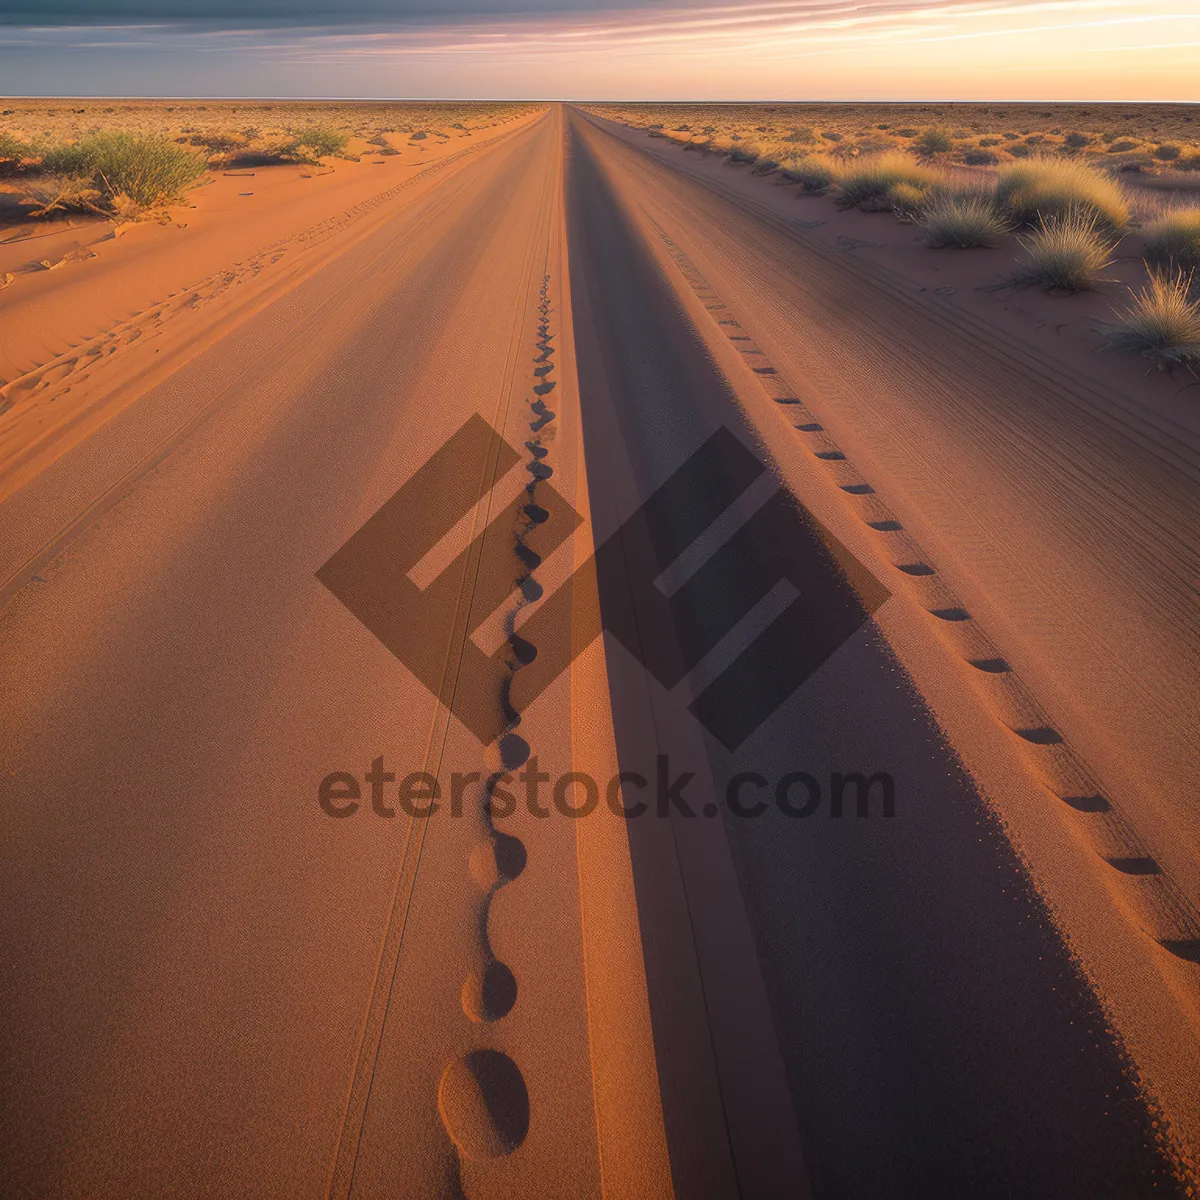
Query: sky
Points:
[1090, 50]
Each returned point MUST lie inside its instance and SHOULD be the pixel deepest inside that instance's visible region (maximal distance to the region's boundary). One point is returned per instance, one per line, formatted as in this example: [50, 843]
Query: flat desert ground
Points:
[837, 592]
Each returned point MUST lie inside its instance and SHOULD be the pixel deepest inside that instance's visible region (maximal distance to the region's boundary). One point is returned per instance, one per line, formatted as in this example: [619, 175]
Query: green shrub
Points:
[149, 169]
[964, 220]
[815, 175]
[870, 179]
[1043, 187]
[1173, 240]
[322, 141]
[1162, 322]
[933, 142]
[1066, 253]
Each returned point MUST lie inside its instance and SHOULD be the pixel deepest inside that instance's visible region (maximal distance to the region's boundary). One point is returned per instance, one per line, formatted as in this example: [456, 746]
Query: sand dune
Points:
[837, 518]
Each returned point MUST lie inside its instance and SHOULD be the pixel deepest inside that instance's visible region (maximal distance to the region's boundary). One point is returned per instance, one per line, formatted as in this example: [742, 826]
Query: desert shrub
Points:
[980, 158]
[743, 152]
[815, 175]
[802, 137]
[965, 220]
[1021, 151]
[148, 169]
[907, 132]
[420, 135]
[1076, 141]
[1067, 252]
[1010, 137]
[322, 141]
[989, 141]
[769, 156]
[833, 136]
[1121, 146]
[933, 142]
[216, 143]
[1166, 153]
[1190, 162]
[869, 180]
[1173, 240]
[1162, 322]
[1045, 187]
[1035, 139]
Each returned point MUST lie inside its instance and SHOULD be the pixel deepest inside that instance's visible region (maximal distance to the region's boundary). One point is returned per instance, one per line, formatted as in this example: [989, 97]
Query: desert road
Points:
[576, 475]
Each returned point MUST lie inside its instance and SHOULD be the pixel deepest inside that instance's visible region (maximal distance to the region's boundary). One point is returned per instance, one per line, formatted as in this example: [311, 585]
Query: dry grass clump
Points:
[965, 220]
[815, 175]
[50, 194]
[867, 182]
[906, 200]
[1066, 252]
[1044, 187]
[12, 150]
[1173, 240]
[1162, 322]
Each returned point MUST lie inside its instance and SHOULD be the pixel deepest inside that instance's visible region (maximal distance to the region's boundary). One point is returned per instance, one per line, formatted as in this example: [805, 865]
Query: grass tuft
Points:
[322, 141]
[1162, 322]
[965, 221]
[815, 175]
[1041, 188]
[1066, 252]
[869, 180]
[1173, 240]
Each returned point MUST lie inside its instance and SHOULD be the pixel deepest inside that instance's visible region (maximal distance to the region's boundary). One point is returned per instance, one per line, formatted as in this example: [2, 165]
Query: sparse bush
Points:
[1162, 322]
[1122, 146]
[743, 152]
[815, 175]
[12, 149]
[1166, 153]
[1076, 141]
[832, 136]
[989, 141]
[322, 141]
[869, 180]
[1173, 240]
[149, 169]
[965, 220]
[932, 143]
[1021, 151]
[1046, 187]
[803, 136]
[907, 132]
[980, 158]
[1066, 253]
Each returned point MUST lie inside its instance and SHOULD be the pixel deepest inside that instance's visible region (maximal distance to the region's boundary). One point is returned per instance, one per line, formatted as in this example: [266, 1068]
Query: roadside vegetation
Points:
[1066, 252]
[129, 159]
[1049, 184]
[1162, 322]
[1173, 240]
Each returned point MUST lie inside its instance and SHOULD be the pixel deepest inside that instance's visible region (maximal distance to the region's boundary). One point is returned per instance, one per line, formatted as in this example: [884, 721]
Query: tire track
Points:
[1161, 909]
